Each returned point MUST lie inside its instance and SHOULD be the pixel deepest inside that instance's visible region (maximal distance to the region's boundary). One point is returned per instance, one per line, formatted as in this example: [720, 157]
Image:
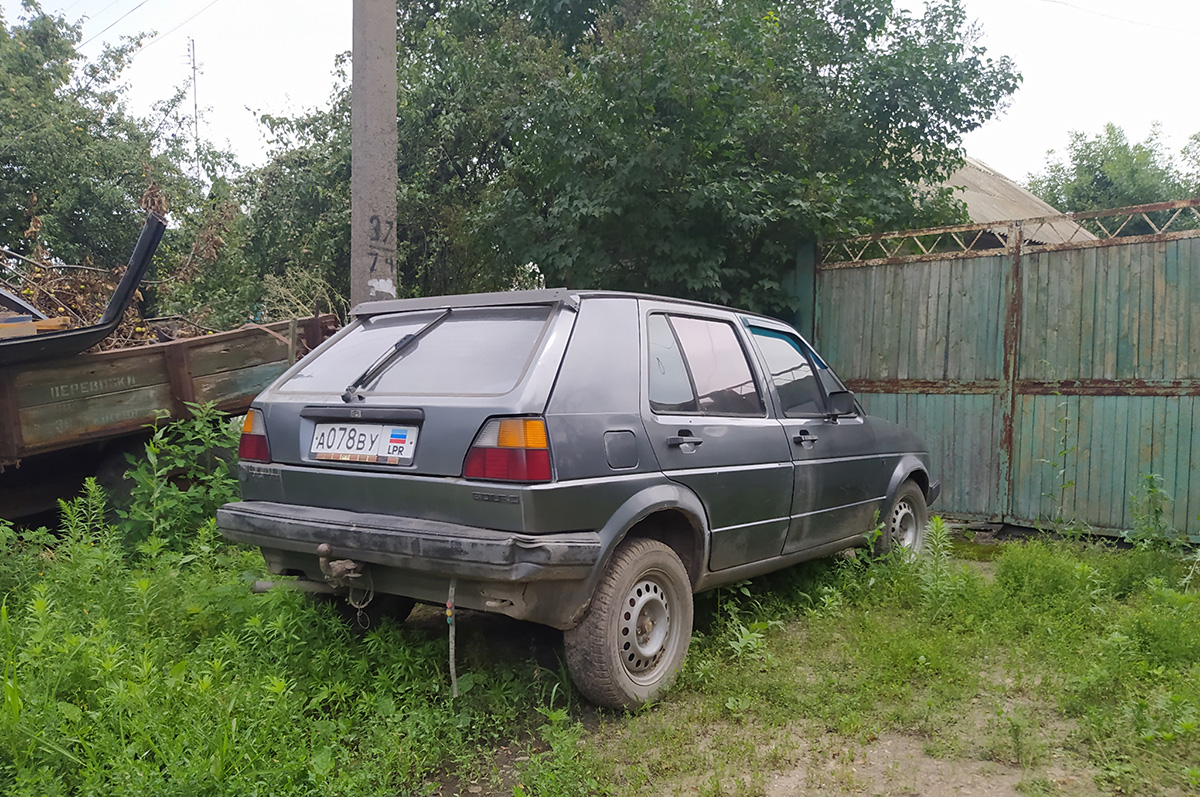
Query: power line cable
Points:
[1103, 15]
[118, 19]
[5, 145]
[101, 11]
[159, 37]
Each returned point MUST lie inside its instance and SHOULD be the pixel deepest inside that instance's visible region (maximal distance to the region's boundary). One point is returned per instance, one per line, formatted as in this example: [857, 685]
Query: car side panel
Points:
[593, 414]
[840, 480]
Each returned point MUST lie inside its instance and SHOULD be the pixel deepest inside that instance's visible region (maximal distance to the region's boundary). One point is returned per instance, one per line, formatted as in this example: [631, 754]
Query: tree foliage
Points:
[680, 146]
[73, 164]
[1109, 171]
[77, 171]
[690, 146]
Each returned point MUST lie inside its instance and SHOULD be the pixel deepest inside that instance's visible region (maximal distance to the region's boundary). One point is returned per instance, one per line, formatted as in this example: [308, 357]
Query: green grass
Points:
[156, 670]
[160, 673]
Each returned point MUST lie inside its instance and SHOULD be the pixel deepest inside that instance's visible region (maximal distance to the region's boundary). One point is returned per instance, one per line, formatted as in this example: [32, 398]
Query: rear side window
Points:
[471, 352]
[698, 366]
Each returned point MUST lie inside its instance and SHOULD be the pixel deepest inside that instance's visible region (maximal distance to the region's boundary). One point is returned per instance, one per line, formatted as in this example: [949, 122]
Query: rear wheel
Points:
[904, 522]
[629, 646]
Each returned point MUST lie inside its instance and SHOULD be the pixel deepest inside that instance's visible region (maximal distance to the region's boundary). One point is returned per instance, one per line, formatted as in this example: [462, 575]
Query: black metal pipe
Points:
[50, 345]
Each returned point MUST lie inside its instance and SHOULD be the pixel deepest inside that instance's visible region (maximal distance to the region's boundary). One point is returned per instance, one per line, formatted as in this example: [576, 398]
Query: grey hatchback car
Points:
[584, 459]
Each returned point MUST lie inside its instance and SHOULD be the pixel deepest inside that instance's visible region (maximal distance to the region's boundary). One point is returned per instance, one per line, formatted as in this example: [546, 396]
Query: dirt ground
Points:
[896, 765]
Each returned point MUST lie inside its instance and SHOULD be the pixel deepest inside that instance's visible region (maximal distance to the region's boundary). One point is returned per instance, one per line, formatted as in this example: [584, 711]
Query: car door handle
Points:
[684, 437]
[805, 438]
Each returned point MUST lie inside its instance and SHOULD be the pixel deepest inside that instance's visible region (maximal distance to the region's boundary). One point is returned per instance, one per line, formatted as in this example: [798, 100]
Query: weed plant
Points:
[183, 475]
[1151, 527]
[136, 661]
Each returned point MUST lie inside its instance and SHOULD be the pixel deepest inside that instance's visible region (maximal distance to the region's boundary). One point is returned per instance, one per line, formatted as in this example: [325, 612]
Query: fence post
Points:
[801, 285]
[1008, 397]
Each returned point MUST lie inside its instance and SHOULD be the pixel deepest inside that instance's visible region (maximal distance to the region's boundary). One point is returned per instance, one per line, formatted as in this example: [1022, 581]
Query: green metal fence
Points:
[1049, 365]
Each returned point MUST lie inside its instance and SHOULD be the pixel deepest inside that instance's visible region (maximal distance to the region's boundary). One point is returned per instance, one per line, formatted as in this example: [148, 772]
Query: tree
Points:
[1108, 171]
[77, 171]
[73, 165]
[461, 66]
[681, 146]
[691, 145]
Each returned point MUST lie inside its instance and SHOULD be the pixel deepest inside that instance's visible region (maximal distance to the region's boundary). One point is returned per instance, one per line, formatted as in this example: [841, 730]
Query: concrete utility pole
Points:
[373, 152]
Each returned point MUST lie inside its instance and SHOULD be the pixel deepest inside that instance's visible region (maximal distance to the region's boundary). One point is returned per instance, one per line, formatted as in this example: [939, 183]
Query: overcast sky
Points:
[1085, 63]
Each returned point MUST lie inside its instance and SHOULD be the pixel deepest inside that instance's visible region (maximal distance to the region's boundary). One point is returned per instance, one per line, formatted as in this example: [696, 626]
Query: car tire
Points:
[904, 523]
[631, 642]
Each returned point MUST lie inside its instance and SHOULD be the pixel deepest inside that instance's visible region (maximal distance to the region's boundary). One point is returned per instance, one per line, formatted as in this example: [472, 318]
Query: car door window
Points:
[718, 376]
[791, 372]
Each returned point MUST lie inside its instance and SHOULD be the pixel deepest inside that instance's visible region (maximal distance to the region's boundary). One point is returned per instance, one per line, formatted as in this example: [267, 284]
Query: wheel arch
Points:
[667, 512]
[678, 530]
[909, 467]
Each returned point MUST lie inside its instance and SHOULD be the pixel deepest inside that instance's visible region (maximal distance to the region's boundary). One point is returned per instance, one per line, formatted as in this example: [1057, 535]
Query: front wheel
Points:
[630, 644]
[905, 522]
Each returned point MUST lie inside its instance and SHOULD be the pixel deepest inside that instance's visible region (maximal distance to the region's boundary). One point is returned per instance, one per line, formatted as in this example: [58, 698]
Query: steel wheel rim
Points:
[904, 525]
[644, 628]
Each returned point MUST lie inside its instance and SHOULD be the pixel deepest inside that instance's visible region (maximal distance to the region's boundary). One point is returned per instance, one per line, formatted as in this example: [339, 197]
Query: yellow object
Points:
[253, 424]
[535, 433]
[522, 433]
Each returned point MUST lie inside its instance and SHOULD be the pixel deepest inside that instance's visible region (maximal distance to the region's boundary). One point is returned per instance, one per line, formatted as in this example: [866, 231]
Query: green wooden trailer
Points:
[62, 419]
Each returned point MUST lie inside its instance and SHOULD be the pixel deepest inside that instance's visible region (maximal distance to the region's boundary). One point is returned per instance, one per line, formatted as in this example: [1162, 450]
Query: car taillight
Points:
[253, 445]
[511, 450]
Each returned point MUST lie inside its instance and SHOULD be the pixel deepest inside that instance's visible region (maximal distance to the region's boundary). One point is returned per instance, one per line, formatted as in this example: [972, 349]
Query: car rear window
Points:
[471, 352]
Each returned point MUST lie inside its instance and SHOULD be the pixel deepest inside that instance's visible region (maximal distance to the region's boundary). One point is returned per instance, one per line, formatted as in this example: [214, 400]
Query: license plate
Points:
[378, 444]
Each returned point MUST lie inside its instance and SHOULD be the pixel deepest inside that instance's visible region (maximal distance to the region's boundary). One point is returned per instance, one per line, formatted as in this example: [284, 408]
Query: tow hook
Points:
[338, 572]
[352, 576]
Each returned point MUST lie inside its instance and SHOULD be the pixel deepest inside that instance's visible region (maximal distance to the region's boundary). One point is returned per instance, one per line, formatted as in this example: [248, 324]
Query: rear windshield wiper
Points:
[388, 357]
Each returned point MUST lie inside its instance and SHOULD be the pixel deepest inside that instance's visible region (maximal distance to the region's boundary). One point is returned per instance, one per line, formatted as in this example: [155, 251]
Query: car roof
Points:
[563, 296]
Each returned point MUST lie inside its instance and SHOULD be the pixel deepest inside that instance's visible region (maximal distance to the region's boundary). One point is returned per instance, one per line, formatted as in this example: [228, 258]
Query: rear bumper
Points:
[534, 577]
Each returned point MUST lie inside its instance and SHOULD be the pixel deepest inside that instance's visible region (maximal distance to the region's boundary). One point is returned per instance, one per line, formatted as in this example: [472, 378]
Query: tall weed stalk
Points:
[940, 578]
[1151, 526]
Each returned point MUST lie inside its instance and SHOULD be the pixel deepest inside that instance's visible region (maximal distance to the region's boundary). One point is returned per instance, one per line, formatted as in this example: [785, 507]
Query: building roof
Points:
[990, 196]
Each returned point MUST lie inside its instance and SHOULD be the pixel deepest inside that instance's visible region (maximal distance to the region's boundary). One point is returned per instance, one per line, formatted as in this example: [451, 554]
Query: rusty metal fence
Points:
[1050, 363]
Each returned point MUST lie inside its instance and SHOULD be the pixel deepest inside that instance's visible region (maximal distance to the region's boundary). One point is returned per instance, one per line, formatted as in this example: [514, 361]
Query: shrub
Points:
[185, 474]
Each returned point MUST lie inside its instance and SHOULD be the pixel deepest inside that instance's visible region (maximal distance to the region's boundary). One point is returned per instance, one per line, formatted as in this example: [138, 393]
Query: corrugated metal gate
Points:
[1024, 360]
